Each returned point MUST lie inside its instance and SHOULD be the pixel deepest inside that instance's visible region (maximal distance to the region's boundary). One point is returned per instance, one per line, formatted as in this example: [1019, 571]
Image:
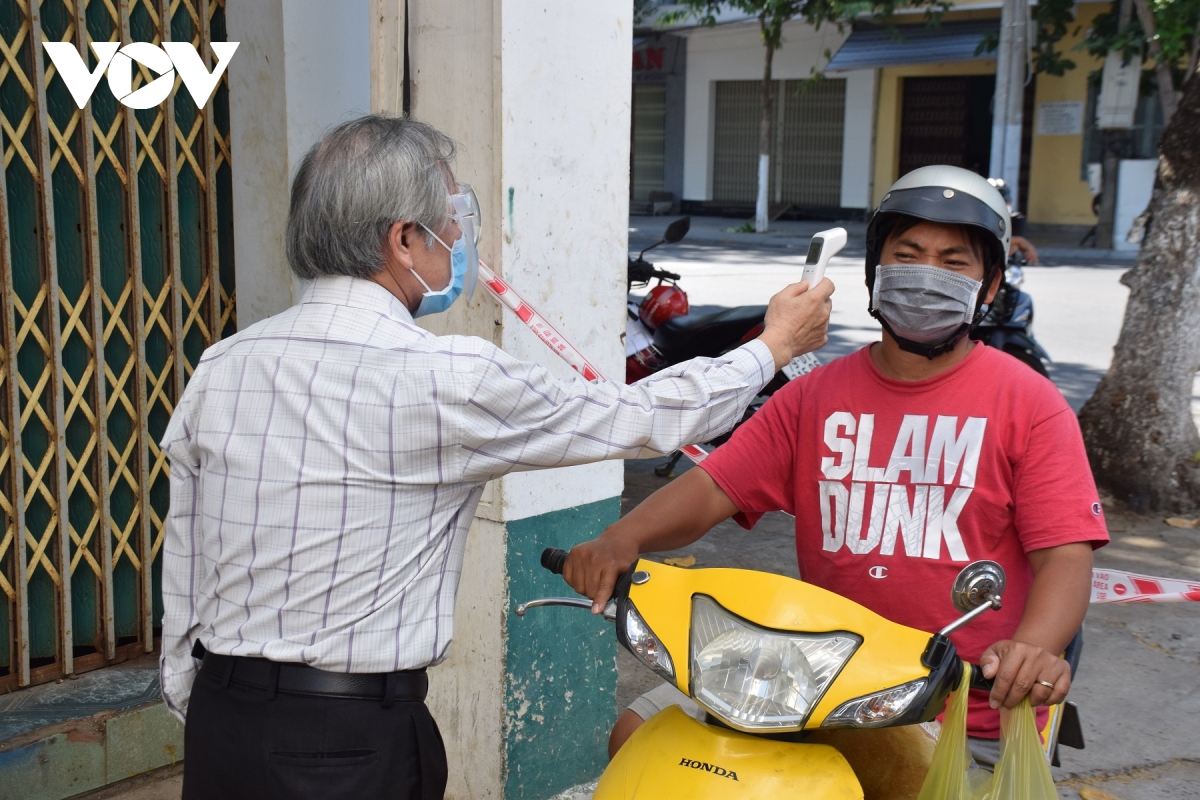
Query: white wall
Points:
[565, 162]
[543, 112]
[734, 52]
[858, 145]
[298, 71]
[328, 68]
[1135, 187]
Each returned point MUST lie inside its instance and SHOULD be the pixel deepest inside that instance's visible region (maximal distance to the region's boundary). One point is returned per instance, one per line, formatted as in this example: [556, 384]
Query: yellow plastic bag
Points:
[947, 778]
[1023, 773]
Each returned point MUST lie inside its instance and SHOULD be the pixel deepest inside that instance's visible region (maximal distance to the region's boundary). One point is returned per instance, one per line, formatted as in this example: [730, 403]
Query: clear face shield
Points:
[464, 208]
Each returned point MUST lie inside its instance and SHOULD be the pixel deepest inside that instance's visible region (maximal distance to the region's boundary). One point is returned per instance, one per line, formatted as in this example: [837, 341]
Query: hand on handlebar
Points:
[593, 568]
[1017, 669]
[1025, 247]
[797, 320]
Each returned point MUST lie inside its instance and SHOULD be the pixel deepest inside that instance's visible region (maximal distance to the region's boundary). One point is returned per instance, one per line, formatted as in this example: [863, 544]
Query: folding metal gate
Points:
[806, 157]
[116, 250]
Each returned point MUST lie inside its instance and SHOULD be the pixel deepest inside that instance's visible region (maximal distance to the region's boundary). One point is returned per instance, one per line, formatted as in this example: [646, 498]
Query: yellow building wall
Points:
[1057, 195]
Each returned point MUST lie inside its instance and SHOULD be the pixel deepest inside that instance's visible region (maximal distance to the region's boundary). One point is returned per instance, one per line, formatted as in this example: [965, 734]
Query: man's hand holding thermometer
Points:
[825, 245]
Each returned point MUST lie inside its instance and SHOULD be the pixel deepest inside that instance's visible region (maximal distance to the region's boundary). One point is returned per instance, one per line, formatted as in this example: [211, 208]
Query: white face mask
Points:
[923, 303]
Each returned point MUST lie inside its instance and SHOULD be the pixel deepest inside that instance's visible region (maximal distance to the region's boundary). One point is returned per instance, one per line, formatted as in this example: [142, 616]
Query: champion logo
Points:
[713, 768]
[877, 572]
[1096, 509]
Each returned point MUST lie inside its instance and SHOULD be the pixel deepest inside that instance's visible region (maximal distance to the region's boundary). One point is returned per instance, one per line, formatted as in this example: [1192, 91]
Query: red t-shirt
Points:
[896, 485]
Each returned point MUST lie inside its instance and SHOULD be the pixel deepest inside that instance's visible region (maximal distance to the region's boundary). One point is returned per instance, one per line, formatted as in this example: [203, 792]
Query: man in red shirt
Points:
[909, 459]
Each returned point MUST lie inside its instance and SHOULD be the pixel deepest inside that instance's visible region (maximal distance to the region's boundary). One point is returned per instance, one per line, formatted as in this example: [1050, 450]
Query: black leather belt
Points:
[301, 679]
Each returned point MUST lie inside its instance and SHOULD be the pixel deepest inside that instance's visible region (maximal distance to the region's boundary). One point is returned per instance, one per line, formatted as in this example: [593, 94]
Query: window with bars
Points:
[116, 246]
[806, 152]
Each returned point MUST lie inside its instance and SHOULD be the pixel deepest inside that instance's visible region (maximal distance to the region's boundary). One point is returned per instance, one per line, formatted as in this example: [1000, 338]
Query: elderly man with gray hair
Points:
[326, 464]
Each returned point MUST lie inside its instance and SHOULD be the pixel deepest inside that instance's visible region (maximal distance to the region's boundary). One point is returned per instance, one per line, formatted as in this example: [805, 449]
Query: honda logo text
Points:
[117, 62]
[713, 768]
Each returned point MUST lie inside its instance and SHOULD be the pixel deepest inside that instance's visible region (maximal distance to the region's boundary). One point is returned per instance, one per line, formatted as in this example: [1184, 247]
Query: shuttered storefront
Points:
[806, 152]
[116, 251]
[647, 147]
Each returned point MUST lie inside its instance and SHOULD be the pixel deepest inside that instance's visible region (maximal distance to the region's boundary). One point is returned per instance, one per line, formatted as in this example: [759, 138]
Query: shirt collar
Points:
[342, 290]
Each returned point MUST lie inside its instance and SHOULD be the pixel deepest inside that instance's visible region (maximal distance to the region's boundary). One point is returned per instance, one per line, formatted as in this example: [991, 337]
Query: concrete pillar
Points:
[537, 94]
[1012, 61]
[858, 138]
[298, 71]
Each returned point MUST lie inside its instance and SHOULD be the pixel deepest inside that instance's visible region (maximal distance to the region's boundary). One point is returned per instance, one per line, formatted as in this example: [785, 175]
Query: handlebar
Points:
[554, 559]
[978, 681]
[643, 271]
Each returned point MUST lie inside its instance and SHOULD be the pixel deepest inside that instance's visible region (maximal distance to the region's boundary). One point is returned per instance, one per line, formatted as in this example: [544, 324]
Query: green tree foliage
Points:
[1053, 19]
[1176, 23]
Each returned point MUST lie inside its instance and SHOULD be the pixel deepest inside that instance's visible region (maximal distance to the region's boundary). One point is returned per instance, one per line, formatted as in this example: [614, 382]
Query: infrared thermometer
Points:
[825, 245]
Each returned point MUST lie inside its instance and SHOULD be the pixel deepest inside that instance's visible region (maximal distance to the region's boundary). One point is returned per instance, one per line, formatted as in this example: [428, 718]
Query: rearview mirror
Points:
[977, 584]
[677, 230]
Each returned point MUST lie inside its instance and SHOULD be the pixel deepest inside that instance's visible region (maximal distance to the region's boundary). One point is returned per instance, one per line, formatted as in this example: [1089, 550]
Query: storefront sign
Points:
[654, 58]
[1060, 119]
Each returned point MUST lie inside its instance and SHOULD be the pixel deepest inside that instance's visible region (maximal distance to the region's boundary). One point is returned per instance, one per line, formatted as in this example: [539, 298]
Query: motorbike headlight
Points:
[875, 710]
[758, 679]
[645, 645]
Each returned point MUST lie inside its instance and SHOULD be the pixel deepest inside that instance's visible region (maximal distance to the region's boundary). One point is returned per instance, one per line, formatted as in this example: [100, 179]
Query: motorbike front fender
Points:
[673, 755]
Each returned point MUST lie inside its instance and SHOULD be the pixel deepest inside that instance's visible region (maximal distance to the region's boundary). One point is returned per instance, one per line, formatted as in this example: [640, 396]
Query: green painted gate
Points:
[116, 247]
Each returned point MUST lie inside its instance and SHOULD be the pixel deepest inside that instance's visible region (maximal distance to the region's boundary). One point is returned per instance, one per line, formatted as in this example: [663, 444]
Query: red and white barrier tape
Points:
[550, 337]
[1112, 586]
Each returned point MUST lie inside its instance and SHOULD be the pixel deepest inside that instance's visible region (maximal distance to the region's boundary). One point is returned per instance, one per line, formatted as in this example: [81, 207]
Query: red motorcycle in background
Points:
[660, 332]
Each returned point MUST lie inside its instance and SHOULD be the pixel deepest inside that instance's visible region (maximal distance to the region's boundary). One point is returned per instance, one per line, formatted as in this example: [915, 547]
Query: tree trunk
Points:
[1138, 426]
[765, 132]
[1193, 59]
[1162, 69]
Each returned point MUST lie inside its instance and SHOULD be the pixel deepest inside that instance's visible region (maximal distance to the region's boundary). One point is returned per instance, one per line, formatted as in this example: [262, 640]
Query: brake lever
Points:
[609, 613]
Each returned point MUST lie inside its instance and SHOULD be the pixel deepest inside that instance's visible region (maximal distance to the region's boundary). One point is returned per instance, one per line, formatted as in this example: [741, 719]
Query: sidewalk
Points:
[89, 731]
[795, 234]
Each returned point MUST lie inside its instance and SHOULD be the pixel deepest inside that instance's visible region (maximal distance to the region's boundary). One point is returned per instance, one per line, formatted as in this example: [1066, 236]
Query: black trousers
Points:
[240, 744]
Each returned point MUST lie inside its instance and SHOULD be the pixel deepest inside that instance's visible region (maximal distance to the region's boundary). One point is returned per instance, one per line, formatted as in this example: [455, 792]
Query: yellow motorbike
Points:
[772, 660]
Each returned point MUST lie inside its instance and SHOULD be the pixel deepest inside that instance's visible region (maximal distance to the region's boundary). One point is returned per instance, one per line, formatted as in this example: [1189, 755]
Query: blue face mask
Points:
[436, 302]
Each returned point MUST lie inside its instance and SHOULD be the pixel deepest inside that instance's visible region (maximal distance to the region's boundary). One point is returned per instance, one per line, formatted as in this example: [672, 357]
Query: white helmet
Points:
[951, 195]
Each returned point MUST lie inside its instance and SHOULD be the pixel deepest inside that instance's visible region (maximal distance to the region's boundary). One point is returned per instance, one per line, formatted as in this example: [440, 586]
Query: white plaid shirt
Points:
[326, 464]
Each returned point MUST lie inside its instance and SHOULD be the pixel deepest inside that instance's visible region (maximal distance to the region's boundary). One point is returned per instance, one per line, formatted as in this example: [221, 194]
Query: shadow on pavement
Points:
[1075, 381]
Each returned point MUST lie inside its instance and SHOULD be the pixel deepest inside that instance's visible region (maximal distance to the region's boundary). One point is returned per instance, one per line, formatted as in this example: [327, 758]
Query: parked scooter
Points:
[770, 658]
[660, 332]
[1008, 325]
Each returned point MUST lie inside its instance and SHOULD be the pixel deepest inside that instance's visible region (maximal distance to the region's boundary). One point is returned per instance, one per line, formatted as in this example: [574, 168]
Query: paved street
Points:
[1137, 687]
